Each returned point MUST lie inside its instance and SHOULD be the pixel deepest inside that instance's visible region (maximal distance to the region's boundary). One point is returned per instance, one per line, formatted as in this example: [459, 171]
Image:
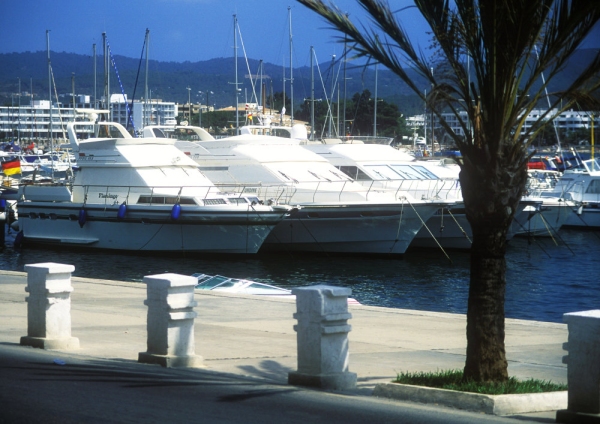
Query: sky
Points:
[187, 30]
[180, 30]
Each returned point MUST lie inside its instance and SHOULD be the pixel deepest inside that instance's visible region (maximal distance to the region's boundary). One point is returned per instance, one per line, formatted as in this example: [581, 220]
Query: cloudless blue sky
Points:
[180, 30]
[185, 30]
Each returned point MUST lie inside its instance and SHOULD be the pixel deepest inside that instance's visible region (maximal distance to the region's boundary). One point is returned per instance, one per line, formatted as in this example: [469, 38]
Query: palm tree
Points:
[507, 44]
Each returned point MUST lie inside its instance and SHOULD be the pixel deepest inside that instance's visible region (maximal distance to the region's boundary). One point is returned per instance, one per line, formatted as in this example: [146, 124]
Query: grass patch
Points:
[453, 380]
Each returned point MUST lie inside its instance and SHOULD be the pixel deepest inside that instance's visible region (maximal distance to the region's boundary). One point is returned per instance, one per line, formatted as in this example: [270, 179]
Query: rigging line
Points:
[248, 225]
[62, 126]
[459, 226]
[549, 104]
[574, 210]
[548, 228]
[429, 231]
[288, 251]
[138, 72]
[313, 237]
[531, 237]
[155, 234]
[324, 91]
[399, 225]
[557, 235]
[129, 114]
[252, 83]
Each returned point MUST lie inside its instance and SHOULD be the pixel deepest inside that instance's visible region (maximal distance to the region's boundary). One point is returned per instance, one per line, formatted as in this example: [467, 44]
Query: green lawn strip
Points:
[453, 380]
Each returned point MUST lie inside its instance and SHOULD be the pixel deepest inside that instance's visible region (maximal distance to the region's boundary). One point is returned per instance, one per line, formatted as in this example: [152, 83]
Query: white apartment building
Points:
[31, 122]
[152, 112]
[569, 120]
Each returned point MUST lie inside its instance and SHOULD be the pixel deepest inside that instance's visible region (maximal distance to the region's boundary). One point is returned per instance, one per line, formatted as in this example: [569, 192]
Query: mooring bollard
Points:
[583, 368]
[170, 322]
[322, 338]
[49, 307]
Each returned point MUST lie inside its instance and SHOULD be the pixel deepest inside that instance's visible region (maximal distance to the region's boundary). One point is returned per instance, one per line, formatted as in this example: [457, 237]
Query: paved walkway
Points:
[253, 336]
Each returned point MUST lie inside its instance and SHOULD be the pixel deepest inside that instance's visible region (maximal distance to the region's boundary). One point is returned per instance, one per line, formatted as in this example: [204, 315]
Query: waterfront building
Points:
[143, 113]
[31, 123]
[567, 121]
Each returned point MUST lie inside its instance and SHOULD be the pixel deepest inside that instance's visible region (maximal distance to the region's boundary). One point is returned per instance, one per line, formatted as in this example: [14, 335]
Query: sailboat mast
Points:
[283, 99]
[343, 130]
[145, 114]
[49, 89]
[592, 140]
[260, 100]
[106, 76]
[237, 114]
[291, 72]
[375, 106]
[312, 94]
[330, 105]
[95, 94]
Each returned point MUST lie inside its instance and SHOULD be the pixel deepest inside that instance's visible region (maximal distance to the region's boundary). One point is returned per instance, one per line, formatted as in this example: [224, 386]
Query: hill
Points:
[169, 80]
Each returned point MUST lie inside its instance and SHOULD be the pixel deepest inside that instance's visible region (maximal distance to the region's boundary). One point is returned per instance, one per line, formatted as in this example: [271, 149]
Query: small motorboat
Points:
[242, 286]
[238, 285]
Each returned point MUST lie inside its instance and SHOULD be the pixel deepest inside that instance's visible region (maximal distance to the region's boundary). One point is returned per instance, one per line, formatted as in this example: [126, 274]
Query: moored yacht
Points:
[337, 215]
[383, 166]
[140, 194]
[582, 186]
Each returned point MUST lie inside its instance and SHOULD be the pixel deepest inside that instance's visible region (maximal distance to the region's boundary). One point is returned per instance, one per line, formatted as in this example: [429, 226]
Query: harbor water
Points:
[546, 277]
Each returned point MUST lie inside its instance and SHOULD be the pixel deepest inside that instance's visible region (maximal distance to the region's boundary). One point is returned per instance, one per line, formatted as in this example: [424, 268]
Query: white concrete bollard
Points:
[322, 338]
[583, 368]
[170, 322]
[49, 307]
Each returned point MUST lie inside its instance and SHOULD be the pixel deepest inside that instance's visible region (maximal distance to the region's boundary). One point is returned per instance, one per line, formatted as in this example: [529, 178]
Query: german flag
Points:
[11, 167]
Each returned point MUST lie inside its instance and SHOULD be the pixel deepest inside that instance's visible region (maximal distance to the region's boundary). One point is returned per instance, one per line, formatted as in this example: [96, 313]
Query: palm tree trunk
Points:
[490, 209]
[486, 356]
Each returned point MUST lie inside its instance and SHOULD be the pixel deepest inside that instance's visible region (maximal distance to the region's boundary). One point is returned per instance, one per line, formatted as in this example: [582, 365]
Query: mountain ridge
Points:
[169, 81]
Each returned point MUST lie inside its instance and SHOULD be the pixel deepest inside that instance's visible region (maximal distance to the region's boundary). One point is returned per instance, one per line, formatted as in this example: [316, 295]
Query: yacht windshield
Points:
[592, 165]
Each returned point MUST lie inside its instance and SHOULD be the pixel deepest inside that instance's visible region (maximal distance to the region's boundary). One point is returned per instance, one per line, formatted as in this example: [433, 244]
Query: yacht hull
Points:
[550, 217]
[445, 230]
[152, 229]
[350, 229]
[587, 217]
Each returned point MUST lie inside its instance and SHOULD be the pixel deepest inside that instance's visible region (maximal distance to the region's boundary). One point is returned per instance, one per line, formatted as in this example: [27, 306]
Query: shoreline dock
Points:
[253, 337]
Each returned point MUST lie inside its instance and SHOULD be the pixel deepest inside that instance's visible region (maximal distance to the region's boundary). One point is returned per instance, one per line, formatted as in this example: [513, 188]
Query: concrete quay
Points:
[248, 346]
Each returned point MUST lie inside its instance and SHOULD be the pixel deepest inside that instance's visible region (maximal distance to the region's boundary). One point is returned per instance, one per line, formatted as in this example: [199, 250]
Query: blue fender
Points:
[122, 211]
[82, 217]
[176, 212]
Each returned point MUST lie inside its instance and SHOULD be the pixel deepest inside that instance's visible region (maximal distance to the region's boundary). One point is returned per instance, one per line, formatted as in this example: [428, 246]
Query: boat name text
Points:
[108, 196]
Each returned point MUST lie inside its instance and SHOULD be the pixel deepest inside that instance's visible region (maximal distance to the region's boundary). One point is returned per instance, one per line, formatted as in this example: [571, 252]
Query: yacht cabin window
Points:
[355, 173]
[165, 200]
[383, 172]
[594, 187]
[422, 170]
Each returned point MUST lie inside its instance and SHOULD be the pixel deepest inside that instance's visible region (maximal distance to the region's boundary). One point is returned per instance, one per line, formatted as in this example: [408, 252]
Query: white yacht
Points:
[337, 215]
[376, 165]
[582, 186]
[384, 167]
[140, 194]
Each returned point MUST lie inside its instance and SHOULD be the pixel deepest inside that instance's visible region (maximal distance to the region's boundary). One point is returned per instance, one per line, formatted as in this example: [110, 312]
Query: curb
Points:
[475, 402]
